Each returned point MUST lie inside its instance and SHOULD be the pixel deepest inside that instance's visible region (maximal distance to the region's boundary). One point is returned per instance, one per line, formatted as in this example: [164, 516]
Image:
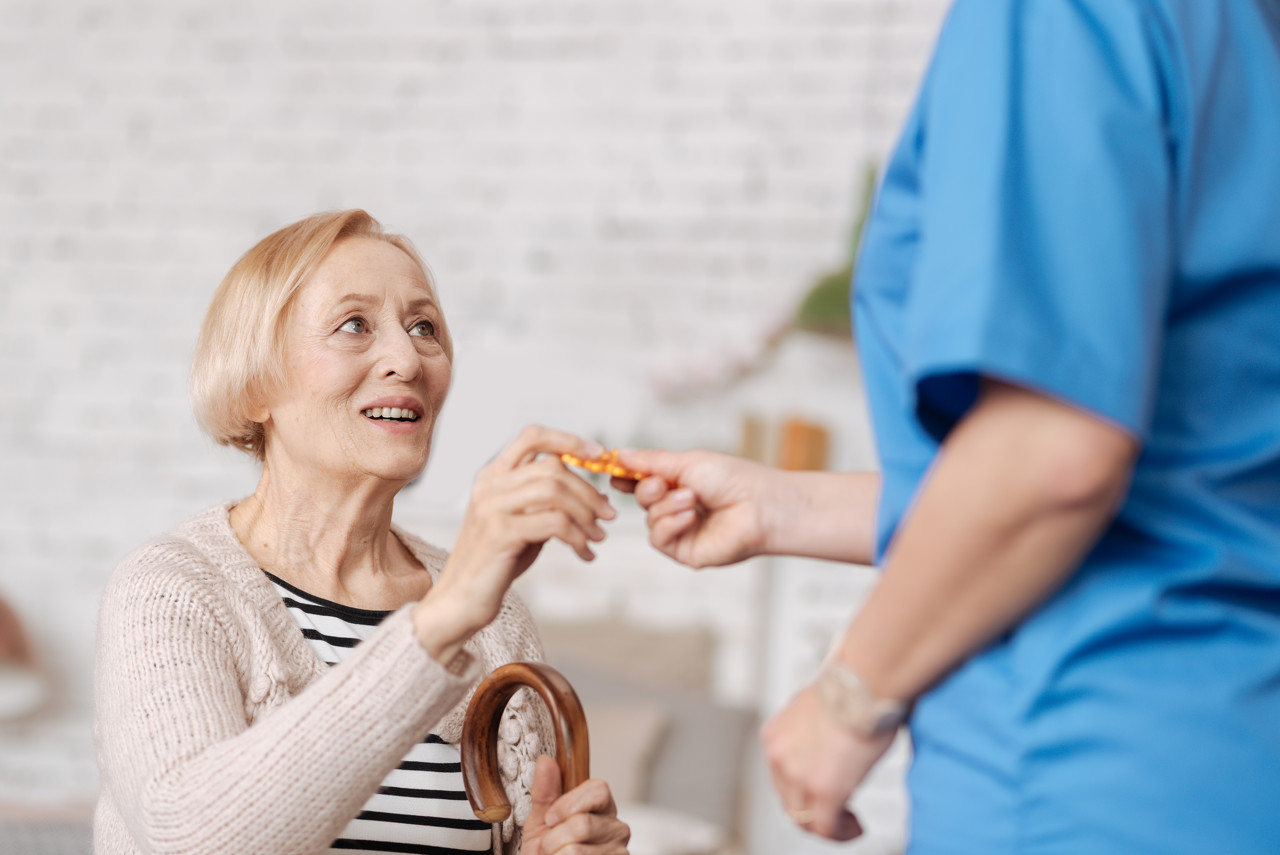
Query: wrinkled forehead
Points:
[367, 272]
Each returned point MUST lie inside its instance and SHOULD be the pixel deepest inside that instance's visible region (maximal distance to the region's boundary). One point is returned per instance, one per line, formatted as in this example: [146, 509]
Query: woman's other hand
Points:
[816, 764]
[704, 508]
[585, 819]
[524, 497]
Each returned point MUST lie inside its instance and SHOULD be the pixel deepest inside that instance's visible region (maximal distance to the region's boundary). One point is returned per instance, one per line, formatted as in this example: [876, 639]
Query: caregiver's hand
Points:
[816, 764]
[521, 499]
[583, 820]
[704, 509]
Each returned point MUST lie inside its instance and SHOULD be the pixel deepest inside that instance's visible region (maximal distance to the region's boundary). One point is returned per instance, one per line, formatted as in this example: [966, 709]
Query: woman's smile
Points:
[395, 415]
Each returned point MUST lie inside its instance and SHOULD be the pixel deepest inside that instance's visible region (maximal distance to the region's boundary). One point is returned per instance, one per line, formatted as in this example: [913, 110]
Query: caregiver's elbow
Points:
[1055, 456]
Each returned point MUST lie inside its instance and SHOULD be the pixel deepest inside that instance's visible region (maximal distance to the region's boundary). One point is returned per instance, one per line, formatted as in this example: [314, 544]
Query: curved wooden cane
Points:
[480, 733]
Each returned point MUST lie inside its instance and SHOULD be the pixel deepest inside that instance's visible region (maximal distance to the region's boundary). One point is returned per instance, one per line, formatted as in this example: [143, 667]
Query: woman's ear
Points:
[256, 406]
[258, 412]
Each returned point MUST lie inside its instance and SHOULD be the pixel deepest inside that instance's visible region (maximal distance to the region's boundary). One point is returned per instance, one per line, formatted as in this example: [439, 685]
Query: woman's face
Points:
[365, 374]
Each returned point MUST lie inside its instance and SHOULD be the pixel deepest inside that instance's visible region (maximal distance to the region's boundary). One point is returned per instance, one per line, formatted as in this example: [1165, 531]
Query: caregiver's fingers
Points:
[669, 466]
[816, 812]
[673, 503]
[623, 485]
[666, 533]
[845, 827]
[834, 824]
[650, 490]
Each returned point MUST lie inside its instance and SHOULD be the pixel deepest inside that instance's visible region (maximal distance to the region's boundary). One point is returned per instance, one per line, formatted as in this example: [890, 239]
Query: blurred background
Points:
[639, 215]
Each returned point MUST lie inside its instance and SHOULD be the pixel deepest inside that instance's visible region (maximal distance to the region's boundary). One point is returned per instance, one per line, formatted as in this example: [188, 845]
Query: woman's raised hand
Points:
[524, 497]
[584, 819]
[704, 509]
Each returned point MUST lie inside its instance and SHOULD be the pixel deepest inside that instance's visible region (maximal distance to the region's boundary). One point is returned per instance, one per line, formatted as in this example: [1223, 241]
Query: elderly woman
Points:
[288, 673]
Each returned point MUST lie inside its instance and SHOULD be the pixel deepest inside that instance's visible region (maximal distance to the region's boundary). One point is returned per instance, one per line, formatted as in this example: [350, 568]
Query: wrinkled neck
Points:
[329, 539]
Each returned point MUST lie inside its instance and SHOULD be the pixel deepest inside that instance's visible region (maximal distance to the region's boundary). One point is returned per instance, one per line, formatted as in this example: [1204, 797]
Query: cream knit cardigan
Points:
[219, 731]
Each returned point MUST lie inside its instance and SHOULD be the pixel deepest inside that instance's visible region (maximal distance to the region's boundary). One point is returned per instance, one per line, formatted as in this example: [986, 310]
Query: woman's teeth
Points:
[390, 413]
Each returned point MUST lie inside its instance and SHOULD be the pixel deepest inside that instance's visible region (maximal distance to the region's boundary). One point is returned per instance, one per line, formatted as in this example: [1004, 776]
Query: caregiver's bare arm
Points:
[1020, 492]
[709, 509]
[829, 515]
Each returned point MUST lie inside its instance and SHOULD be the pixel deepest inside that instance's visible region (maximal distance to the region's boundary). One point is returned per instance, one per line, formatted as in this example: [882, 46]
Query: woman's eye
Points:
[423, 328]
[355, 325]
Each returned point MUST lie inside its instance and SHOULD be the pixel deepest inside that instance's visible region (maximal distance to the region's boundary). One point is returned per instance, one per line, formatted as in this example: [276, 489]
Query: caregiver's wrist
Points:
[782, 513]
[849, 700]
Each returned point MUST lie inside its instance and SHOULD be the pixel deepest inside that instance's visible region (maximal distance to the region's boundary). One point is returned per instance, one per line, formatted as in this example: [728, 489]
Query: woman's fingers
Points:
[585, 819]
[585, 832]
[544, 792]
[591, 796]
[581, 503]
[542, 526]
[553, 474]
[536, 439]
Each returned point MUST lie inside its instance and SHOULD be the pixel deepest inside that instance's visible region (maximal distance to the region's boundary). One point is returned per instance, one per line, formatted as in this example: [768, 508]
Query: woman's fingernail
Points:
[684, 494]
[595, 449]
[551, 819]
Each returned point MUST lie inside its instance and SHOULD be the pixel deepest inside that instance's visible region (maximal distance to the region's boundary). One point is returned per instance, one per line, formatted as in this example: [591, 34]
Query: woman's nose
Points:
[397, 355]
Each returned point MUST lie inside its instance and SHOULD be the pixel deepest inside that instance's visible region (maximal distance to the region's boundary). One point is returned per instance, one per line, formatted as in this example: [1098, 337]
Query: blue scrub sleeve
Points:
[1047, 219]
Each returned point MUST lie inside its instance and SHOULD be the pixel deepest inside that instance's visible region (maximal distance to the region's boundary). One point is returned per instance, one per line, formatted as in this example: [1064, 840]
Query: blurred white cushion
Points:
[663, 831]
[697, 767]
[624, 739]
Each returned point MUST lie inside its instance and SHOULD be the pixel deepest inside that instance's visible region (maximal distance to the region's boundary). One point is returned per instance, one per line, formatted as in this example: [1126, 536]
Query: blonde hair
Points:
[239, 356]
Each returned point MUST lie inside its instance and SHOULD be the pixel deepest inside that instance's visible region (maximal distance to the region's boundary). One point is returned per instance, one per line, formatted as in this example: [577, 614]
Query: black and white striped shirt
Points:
[421, 807]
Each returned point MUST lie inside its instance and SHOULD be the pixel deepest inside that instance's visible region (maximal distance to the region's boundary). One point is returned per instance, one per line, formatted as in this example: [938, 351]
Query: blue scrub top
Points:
[1086, 201]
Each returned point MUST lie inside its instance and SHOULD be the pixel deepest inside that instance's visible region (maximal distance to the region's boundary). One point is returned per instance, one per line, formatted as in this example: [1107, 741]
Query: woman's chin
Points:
[392, 468]
[404, 471]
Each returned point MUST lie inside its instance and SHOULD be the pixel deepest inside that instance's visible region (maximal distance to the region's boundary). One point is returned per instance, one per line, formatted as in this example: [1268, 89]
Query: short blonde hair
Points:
[239, 356]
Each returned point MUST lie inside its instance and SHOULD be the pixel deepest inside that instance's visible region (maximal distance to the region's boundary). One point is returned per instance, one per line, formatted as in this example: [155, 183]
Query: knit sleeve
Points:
[178, 757]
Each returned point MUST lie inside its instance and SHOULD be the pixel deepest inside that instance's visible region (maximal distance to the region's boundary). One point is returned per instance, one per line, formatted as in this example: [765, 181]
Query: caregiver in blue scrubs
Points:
[1068, 312]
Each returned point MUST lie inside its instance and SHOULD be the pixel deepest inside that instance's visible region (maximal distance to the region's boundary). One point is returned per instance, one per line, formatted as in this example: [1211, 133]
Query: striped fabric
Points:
[421, 807]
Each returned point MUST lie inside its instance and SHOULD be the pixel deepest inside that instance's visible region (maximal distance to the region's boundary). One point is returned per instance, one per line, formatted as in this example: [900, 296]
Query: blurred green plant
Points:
[825, 307]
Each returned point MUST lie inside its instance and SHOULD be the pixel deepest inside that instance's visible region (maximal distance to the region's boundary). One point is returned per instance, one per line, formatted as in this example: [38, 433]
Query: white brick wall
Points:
[601, 188]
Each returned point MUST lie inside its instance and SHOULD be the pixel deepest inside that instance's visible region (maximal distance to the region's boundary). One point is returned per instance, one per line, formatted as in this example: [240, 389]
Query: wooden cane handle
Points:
[480, 733]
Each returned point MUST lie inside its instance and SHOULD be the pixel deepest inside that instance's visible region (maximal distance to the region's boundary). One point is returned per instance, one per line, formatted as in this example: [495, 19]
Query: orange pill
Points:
[604, 463]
